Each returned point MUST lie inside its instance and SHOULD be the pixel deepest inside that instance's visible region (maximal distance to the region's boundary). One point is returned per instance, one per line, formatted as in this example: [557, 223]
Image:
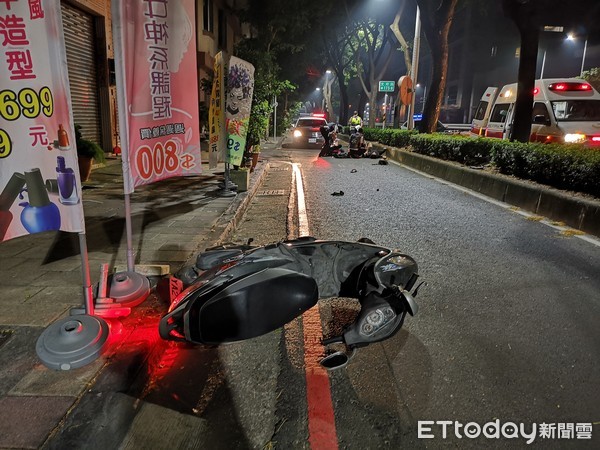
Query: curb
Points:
[579, 213]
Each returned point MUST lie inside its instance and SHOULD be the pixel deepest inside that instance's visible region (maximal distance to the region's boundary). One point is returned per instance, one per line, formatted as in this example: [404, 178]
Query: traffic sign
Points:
[386, 86]
[406, 90]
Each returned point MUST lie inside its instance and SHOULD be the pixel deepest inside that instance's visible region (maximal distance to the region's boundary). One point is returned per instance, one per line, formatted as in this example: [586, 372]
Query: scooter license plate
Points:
[312, 140]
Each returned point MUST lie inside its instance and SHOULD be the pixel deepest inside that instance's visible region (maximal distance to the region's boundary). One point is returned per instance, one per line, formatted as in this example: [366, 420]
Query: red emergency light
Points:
[319, 115]
[570, 86]
[536, 91]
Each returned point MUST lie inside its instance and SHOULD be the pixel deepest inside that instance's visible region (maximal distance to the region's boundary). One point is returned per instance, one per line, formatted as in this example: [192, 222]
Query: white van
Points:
[482, 113]
[564, 110]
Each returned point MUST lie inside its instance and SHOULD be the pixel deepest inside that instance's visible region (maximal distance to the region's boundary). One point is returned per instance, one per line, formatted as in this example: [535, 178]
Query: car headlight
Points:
[297, 133]
[574, 138]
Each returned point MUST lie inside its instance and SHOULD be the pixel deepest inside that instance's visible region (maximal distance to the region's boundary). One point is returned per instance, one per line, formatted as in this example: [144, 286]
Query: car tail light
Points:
[570, 86]
[595, 140]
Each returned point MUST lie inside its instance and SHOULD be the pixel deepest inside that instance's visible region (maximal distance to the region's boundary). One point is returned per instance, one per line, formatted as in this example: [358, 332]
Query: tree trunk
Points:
[343, 103]
[372, 107]
[524, 13]
[436, 26]
[521, 128]
[435, 95]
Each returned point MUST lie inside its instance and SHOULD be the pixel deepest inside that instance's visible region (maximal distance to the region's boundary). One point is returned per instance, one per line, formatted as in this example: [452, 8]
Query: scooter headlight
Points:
[574, 138]
[297, 133]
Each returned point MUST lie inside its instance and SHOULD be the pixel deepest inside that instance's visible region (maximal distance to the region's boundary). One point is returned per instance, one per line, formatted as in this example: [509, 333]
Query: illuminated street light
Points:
[571, 37]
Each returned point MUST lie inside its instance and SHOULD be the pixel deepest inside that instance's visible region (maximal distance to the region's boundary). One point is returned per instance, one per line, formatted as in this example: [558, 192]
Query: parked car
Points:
[306, 132]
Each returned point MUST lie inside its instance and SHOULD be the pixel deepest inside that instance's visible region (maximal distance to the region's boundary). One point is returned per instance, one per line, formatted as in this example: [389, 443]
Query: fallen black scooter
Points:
[240, 292]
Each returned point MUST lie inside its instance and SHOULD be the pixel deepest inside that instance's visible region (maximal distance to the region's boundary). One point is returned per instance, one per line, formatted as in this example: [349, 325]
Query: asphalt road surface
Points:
[508, 328]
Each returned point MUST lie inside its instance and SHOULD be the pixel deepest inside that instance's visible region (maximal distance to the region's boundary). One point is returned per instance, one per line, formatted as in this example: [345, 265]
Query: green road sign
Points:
[386, 86]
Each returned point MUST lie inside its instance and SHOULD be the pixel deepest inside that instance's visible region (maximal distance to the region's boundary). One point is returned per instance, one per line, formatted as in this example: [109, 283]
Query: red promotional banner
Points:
[40, 189]
[155, 56]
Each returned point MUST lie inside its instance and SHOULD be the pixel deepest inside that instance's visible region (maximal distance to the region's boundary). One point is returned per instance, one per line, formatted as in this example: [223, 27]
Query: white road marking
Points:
[303, 229]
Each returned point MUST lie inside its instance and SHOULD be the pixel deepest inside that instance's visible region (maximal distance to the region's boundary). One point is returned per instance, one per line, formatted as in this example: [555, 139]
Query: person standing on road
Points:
[355, 120]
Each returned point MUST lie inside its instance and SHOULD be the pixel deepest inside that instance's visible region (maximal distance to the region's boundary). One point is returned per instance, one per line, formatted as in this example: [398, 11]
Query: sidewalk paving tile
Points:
[25, 422]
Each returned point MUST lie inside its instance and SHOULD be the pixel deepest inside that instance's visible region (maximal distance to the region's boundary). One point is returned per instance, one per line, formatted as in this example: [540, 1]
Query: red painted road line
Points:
[321, 420]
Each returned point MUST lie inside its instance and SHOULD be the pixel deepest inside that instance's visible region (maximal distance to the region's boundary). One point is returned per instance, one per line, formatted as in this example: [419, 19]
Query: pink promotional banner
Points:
[157, 85]
[40, 188]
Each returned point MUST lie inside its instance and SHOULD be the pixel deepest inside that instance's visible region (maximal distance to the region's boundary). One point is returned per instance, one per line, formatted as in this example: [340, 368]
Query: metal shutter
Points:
[79, 41]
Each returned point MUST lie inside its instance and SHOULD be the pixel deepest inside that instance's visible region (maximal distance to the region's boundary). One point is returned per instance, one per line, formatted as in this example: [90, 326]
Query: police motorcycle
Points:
[237, 292]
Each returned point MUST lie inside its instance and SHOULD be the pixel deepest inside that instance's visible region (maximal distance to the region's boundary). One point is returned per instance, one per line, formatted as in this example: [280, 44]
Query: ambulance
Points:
[564, 110]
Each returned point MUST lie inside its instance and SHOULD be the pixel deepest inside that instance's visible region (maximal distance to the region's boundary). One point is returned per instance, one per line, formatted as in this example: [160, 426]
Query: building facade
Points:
[90, 59]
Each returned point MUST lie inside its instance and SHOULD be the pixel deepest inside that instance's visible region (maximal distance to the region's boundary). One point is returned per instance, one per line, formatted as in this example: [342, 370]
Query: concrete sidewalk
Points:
[40, 281]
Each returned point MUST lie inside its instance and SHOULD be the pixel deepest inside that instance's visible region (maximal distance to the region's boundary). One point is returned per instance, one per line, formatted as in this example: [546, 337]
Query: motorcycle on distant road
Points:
[239, 292]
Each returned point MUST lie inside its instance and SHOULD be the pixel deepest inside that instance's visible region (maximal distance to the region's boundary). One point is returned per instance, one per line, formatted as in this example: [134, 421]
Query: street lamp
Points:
[326, 103]
[423, 98]
[571, 37]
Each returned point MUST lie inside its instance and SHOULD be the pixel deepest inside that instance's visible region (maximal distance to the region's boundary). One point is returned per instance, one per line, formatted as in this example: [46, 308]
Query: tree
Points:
[275, 31]
[436, 20]
[374, 50]
[593, 76]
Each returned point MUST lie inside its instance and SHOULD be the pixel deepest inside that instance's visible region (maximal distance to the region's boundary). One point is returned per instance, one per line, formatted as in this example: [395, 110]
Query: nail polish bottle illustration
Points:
[67, 184]
[63, 138]
[39, 214]
[7, 198]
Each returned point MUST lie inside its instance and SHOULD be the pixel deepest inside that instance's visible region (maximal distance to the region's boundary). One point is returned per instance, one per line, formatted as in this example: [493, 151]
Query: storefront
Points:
[85, 25]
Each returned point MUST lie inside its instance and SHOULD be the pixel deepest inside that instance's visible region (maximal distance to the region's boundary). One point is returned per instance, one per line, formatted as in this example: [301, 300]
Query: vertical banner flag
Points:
[40, 188]
[216, 113]
[157, 89]
[240, 86]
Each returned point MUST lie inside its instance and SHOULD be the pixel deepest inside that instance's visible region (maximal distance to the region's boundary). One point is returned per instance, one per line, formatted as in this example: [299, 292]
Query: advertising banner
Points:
[240, 86]
[216, 114]
[40, 188]
[157, 89]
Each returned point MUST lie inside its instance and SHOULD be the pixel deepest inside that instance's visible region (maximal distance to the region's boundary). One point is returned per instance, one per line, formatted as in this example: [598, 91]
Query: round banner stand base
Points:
[226, 193]
[72, 342]
[230, 185]
[127, 289]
